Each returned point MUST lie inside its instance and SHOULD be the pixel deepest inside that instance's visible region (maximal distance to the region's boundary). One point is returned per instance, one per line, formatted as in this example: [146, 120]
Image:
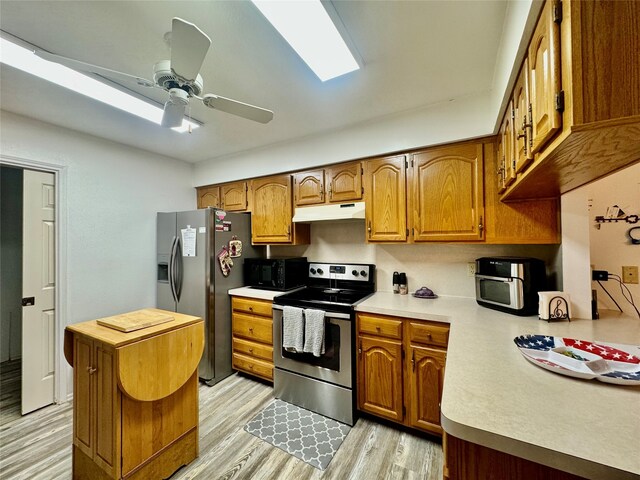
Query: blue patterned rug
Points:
[312, 438]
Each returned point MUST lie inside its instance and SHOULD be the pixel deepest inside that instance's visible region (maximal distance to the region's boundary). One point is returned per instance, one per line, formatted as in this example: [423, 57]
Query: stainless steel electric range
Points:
[324, 384]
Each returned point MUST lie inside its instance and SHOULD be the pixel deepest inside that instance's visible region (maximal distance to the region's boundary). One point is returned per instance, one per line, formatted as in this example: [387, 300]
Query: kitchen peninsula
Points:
[495, 398]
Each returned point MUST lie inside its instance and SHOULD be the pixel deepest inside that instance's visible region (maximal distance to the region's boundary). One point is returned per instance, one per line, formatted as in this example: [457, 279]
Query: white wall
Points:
[441, 267]
[610, 246]
[10, 263]
[113, 194]
[606, 249]
[441, 123]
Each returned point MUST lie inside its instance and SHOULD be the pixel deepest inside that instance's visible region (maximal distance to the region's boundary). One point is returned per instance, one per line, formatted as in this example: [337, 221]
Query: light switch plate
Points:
[630, 274]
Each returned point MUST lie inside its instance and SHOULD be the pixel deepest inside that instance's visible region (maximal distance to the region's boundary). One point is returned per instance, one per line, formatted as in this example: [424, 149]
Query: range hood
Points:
[327, 213]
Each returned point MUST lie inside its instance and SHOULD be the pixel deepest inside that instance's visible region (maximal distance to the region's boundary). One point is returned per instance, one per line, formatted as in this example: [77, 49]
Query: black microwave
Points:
[276, 273]
[510, 284]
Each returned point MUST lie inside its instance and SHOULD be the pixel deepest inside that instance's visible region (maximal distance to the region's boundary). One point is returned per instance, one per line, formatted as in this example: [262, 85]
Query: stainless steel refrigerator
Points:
[190, 279]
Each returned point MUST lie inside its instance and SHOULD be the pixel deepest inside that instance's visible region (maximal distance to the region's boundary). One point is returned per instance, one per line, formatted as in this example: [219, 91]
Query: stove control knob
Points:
[313, 271]
[354, 273]
[363, 273]
[320, 271]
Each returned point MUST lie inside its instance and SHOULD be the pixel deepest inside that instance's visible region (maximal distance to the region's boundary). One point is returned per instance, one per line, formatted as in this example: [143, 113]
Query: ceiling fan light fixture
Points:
[24, 59]
[310, 31]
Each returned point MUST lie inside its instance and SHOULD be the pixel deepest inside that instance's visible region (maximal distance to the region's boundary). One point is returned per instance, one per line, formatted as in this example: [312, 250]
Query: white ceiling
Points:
[415, 53]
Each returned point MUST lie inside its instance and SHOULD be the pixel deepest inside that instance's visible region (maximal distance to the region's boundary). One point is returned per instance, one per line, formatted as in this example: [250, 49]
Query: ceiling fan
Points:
[179, 76]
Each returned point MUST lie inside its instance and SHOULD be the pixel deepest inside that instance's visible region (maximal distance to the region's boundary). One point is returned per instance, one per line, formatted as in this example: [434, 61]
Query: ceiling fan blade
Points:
[240, 109]
[173, 114]
[189, 46]
[89, 68]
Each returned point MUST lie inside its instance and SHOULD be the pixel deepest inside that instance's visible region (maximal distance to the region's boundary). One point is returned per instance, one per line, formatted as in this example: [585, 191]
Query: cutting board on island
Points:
[137, 320]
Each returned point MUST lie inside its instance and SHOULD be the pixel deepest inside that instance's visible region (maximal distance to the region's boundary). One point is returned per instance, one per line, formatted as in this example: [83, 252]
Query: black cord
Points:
[623, 287]
[612, 299]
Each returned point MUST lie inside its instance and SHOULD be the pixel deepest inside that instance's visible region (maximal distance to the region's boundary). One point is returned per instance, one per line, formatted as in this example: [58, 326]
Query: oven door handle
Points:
[345, 316]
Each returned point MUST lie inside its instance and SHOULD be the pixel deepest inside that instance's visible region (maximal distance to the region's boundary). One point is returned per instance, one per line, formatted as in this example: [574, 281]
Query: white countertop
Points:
[251, 292]
[494, 397]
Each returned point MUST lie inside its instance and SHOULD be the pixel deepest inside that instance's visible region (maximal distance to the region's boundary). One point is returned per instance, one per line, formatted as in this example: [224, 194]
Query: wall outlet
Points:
[630, 274]
[471, 269]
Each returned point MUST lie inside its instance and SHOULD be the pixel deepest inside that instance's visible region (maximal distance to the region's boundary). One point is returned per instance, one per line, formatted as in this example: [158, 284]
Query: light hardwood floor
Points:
[38, 446]
[10, 385]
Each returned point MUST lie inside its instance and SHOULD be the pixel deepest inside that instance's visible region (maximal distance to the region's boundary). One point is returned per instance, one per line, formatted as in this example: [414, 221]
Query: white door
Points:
[38, 283]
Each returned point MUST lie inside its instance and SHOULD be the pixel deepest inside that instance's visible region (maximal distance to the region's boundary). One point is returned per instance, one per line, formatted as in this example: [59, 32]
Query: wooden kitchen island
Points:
[135, 401]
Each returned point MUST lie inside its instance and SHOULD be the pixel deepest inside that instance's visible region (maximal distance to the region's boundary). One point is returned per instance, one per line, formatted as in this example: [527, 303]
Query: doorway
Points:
[28, 283]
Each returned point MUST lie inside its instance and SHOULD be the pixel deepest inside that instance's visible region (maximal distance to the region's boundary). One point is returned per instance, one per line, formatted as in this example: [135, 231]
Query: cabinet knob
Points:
[377, 329]
[251, 350]
[91, 370]
[251, 309]
[251, 329]
[369, 228]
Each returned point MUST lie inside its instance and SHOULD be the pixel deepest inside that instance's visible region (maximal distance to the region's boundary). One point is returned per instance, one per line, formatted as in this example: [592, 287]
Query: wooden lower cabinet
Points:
[380, 377]
[252, 333]
[424, 385]
[470, 461]
[133, 417]
[400, 378]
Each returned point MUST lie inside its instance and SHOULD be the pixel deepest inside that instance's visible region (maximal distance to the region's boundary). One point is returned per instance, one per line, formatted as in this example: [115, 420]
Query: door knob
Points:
[28, 301]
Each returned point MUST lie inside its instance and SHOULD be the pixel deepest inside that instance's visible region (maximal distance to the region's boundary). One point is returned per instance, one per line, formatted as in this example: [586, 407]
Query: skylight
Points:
[25, 60]
[307, 27]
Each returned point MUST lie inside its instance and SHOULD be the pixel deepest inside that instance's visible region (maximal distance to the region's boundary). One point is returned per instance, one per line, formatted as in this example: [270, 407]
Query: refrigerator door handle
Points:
[178, 266]
[172, 265]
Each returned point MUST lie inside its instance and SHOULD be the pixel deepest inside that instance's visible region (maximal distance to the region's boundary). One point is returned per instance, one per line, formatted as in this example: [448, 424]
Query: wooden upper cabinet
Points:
[544, 76]
[447, 193]
[525, 222]
[507, 133]
[335, 184]
[386, 205]
[308, 188]
[233, 196]
[522, 121]
[272, 212]
[208, 197]
[344, 182]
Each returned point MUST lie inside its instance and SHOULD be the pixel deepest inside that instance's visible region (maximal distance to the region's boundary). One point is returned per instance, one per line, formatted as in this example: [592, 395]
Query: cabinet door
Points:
[344, 182]
[308, 188]
[386, 205]
[380, 377]
[83, 395]
[106, 413]
[500, 164]
[208, 197]
[233, 196]
[272, 210]
[544, 76]
[447, 193]
[425, 379]
[522, 122]
[507, 133]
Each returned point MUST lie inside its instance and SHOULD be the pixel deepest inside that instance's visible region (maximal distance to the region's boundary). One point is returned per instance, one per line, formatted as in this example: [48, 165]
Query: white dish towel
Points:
[292, 329]
[314, 331]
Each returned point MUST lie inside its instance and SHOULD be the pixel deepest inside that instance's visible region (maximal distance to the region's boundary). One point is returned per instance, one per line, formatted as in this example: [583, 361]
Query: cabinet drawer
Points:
[428, 333]
[253, 328]
[252, 349]
[380, 326]
[250, 305]
[253, 366]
